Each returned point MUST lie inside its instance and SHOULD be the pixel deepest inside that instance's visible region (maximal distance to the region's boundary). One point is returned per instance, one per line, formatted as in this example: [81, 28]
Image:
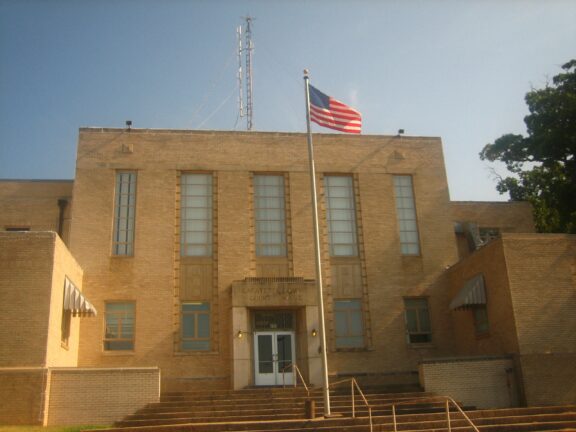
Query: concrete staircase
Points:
[274, 409]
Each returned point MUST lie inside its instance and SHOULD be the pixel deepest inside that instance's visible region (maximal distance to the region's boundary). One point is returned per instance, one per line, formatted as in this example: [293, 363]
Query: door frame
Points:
[275, 378]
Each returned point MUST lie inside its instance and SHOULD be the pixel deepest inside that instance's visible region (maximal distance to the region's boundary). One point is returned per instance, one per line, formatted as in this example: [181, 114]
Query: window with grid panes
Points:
[119, 331]
[417, 320]
[195, 326]
[124, 214]
[348, 325]
[269, 215]
[341, 215]
[196, 215]
[406, 215]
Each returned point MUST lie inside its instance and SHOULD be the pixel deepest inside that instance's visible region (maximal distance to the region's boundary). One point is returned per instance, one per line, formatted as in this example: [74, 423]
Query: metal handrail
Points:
[447, 399]
[294, 367]
[354, 384]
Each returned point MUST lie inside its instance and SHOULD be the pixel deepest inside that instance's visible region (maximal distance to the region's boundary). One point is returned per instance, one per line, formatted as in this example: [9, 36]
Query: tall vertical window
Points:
[65, 325]
[196, 215]
[348, 323]
[269, 215]
[481, 324]
[406, 213]
[124, 213]
[417, 320]
[195, 327]
[119, 331]
[341, 215]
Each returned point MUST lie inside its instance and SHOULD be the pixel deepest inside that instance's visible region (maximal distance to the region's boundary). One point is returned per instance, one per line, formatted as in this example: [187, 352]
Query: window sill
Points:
[353, 350]
[195, 353]
[425, 345]
[483, 335]
[118, 353]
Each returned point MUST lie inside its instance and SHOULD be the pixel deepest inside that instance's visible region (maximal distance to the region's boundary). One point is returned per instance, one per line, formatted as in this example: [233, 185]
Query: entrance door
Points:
[273, 351]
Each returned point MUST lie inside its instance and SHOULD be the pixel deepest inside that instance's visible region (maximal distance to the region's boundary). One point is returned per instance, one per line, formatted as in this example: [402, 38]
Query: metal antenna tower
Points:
[240, 73]
[249, 49]
[246, 74]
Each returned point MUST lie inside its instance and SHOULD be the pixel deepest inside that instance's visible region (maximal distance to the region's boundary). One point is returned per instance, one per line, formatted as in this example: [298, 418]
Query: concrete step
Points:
[350, 425]
[275, 393]
[423, 421]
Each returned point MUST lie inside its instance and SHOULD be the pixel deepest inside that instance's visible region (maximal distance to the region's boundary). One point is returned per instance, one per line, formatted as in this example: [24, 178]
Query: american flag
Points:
[331, 113]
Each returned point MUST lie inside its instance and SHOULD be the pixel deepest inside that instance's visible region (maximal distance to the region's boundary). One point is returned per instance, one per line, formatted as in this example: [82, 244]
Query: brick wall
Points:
[501, 337]
[25, 281]
[99, 396]
[33, 268]
[542, 270]
[150, 277]
[34, 204]
[531, 302]
[22, 395]
[484, 382]
[549, 378]
[64, 266]
[510, 217]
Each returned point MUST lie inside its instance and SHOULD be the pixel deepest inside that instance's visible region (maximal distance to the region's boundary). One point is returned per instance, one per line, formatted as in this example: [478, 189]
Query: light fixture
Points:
[240, 334]
[314, 333]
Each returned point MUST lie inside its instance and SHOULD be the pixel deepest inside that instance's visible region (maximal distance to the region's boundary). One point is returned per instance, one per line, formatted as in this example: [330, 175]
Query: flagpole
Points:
[326, 383]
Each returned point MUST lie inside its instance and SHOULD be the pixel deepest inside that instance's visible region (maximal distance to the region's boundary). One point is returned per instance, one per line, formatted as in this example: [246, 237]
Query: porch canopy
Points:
[473, 293]
[75, 302]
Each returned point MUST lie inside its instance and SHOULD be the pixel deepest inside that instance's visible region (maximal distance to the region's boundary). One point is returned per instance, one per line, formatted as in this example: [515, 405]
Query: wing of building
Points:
[185, 260]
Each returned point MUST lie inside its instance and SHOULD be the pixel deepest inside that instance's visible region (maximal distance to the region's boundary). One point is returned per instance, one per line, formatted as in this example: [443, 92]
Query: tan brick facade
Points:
[38, 205]
[484, 382]
[232, 158]
[234, 285]
[99, 396]
[530, 288]
[33, 269]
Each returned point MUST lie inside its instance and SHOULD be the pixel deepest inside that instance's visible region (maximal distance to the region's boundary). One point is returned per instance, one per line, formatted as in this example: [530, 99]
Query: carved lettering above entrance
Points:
[279, 291]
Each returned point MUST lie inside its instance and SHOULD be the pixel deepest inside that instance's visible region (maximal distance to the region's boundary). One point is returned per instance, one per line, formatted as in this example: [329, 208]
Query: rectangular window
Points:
[65, 326]
[481, 319]
[406, 214]
[349, 327]
[196, 215]
[195, 327]
[124, 213]
[119, 333]
[341, 216]
[417, 320]
[269, 215]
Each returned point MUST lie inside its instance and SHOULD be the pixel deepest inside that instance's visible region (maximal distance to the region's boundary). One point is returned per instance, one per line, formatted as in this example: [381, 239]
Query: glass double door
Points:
[273, 353]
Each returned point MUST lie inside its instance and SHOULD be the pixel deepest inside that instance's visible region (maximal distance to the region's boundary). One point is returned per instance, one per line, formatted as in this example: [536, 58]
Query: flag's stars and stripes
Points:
[331, 113]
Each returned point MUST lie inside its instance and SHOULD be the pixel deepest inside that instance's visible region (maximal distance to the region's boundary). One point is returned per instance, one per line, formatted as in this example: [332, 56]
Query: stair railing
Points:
[447, 399]
[354, 385]
[298, 374]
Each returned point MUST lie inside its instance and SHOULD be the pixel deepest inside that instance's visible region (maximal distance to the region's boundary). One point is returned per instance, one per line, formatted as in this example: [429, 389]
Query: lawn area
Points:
[47, 429]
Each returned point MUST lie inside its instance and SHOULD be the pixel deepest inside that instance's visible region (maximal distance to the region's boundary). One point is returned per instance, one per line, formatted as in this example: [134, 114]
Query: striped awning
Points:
[473, 293]
[75, 301]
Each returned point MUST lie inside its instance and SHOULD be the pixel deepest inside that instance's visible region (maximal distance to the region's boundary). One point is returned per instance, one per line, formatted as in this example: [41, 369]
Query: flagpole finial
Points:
[306, 72]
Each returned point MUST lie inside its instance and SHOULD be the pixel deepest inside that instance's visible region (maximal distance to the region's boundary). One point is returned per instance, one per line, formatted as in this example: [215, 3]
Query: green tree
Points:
[544, 162]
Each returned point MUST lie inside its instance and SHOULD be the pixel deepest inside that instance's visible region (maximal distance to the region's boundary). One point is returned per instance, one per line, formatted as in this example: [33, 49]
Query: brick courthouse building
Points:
[184, 260]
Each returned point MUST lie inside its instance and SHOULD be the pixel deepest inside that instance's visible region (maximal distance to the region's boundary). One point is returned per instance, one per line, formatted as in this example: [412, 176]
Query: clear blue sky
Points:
[454, 69]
